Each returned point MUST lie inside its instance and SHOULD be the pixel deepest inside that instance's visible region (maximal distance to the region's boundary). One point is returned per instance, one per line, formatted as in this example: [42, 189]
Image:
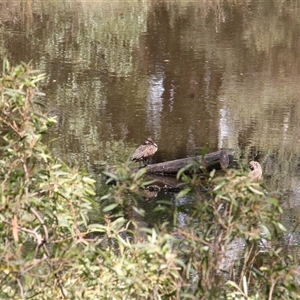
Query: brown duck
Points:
[256, 172]
[144, 152]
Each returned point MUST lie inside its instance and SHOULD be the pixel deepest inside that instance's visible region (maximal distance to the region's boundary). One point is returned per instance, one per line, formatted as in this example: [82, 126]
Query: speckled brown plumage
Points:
[256, 171]
[144, 152]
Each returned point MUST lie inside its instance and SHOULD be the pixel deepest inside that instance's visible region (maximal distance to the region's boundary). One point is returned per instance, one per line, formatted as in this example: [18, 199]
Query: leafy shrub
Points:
[58, 242]
[230, 243]
[44, 203]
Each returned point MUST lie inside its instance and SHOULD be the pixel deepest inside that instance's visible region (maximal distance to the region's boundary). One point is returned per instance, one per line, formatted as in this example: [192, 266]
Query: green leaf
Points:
[281, 227]
[125, 243]
[266, 231]
[97, 228]
[57, 166]
[111, 176]
[273, 201]
[212, 173]
[255, 191]
[88, 180]
[110, 207]
[183, 192]
[182, 170]
[118, 222]
[139, 174]
[245, 285]
[233, 284]
[89, 191]
[139, 211]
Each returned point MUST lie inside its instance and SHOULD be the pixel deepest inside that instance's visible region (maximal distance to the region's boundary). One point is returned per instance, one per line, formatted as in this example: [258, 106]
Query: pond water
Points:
[192, 75]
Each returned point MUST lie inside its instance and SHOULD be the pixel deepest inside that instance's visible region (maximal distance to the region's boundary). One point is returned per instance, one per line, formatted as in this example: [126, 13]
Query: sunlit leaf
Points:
[266, 231]
[110, 207]
[97, 227]
[119, 222]
[139, 211]
[257, 192]
[89, 191]
[88, 180]
[111, 175]
[183, 192]
[281, 227]
[245, 285]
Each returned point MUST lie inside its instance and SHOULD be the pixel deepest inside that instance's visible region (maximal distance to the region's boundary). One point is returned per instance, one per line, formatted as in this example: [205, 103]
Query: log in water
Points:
[215, 160]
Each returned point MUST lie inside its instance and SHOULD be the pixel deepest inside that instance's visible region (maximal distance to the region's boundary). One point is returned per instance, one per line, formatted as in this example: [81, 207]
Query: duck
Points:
[256, 171]
[145, 151]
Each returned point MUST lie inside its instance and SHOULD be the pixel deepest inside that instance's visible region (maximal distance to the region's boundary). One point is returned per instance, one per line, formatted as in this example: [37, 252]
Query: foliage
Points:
[44, 203]
[52, 249]
[232, 237]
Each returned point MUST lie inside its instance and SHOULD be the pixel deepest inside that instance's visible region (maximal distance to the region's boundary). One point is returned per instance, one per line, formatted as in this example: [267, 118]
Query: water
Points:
[190, 74]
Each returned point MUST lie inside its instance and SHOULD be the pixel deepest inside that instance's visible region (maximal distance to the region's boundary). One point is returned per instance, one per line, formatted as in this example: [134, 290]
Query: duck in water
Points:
[256, 172]
[144, 152]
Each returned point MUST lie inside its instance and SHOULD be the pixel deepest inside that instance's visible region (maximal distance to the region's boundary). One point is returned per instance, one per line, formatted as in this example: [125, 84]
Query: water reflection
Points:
[154, 103]
[191, 74]
[223, 129]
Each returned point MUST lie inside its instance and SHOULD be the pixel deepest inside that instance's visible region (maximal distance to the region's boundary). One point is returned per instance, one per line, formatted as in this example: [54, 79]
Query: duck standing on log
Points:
[144, 152]
[256, 171]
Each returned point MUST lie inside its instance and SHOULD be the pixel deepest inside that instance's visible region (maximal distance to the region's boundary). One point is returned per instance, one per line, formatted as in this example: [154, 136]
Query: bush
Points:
[44, 203]
[58, 242]
[230, 243]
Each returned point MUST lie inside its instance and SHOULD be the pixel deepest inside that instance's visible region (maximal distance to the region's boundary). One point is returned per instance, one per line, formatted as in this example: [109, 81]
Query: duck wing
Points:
[139, 153]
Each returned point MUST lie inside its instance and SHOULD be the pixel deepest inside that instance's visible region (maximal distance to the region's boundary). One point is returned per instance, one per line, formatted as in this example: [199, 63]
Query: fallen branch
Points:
[216, 160]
